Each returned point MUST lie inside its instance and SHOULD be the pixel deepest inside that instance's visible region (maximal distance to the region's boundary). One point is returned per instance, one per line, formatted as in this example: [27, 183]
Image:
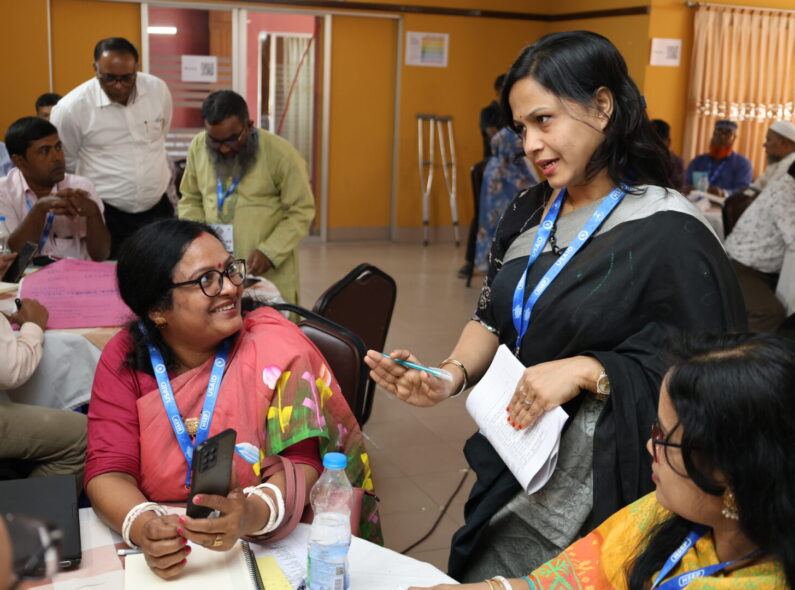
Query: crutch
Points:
[449, 169]
[426, 171]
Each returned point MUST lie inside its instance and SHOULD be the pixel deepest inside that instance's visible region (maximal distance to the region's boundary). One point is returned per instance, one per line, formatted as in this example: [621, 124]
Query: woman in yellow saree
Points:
[723, 515]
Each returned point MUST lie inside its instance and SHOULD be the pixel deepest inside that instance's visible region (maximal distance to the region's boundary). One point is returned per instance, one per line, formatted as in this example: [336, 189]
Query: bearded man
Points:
[252, 187]
[722, 170]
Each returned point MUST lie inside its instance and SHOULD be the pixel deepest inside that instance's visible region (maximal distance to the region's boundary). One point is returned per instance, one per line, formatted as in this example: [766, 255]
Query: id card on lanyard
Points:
[225, 230]
[170, 404]
[521, 309]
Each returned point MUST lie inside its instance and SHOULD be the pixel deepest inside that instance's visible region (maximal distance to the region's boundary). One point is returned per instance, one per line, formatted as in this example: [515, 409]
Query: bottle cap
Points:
[335, 461]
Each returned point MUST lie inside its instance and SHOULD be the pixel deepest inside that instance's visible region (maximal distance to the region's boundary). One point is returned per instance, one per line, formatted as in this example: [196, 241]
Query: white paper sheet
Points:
[531, 454]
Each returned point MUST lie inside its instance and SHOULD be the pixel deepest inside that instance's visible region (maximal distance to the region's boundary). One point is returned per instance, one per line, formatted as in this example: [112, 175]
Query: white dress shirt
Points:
[121, 149]
[771, 173]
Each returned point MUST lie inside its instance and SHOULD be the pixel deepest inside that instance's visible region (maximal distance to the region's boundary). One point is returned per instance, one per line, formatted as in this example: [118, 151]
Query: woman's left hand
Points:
[219, 534]
[548, 385]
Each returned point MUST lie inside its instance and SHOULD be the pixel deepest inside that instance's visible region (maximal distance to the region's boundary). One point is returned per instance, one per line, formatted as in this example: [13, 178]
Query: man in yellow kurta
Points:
[252, 187]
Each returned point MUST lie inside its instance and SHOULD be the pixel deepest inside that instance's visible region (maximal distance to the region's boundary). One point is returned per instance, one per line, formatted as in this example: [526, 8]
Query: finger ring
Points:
[218, 540]
[526, 402]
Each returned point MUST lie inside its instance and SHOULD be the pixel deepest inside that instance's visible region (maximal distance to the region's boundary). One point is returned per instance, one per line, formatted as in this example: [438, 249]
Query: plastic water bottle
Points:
[4, 235]
[330, 536]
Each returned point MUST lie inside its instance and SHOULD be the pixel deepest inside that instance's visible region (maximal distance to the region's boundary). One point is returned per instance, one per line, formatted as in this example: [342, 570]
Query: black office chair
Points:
[733, 207]
[362, 301]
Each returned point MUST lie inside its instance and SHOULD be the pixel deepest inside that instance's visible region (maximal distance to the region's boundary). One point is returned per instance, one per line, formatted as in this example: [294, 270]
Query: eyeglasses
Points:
[212, 282]
[232, 144]
[36, 547]
[124, 79]
[658, 437]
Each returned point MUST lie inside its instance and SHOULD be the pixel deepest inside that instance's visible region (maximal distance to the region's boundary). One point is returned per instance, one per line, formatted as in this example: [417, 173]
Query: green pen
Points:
[438, 373]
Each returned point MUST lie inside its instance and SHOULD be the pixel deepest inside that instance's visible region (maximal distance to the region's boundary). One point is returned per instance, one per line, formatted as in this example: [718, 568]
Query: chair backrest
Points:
[733, 208]
[343, 350]
[362, 301]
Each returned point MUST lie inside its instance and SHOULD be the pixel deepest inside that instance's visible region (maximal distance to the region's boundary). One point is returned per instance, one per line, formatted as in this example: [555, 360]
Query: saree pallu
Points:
[602, 559]
[277, 390]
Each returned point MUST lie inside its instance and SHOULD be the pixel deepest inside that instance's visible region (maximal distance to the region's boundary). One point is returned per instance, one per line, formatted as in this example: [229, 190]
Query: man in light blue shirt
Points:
[725, 170]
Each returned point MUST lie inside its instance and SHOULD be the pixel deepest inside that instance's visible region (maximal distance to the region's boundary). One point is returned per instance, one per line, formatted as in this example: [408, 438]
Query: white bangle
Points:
[134, 513]
[503, 582]
[276, 514]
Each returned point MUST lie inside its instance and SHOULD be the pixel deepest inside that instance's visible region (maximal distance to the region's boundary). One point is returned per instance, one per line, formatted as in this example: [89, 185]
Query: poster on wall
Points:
[665, 52]
[199, 68]
[427, 49]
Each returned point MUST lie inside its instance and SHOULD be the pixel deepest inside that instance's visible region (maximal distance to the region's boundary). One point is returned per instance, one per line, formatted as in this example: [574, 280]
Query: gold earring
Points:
[160, 322]
[730, 506]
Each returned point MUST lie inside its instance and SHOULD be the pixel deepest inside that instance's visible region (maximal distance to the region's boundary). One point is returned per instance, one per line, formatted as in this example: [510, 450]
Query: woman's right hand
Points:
[160, 540]
[417, 388]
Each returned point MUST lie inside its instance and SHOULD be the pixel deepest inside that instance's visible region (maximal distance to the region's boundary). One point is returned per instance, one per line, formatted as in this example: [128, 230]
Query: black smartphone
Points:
[20, 263]
[211, 471]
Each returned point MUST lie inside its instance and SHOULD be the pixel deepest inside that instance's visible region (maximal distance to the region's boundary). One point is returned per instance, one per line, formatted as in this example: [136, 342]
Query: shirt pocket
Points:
[153, 129]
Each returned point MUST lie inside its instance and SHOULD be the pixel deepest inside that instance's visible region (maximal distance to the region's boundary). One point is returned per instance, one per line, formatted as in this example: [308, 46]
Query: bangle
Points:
[529, 582]
[134, 513]
[502, 582]
[491, 584]
[276, 515]
[461, 366]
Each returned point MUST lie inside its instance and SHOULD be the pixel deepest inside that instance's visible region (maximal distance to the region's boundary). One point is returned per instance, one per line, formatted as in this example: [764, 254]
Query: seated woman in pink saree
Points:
[256, 373]
[722, 516]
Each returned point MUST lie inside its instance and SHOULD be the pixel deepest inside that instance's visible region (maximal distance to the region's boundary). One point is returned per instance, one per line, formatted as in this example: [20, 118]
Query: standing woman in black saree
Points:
[635, 261]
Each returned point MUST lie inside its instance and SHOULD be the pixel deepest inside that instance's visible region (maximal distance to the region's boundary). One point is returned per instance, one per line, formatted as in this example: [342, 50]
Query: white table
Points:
[372, 567]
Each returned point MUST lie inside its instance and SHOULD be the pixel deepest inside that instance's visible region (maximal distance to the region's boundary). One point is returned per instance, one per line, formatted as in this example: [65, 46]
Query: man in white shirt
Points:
[780, 150]
[762, 246]
[113, 128]
[54, 439]
[42, 204]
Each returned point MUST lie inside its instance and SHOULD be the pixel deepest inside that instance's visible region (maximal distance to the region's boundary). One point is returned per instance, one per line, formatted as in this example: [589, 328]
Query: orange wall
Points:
[24, 67]
[479, 50]
[77, 25]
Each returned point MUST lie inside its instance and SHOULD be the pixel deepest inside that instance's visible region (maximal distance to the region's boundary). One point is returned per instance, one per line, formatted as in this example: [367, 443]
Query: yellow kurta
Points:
[271, 209]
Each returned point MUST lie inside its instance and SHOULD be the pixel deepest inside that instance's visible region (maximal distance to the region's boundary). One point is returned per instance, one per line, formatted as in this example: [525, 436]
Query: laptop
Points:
[52, 499]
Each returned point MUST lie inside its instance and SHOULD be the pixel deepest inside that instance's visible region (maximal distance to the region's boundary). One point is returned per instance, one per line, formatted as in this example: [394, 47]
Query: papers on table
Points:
[531, 454]
[78, 294]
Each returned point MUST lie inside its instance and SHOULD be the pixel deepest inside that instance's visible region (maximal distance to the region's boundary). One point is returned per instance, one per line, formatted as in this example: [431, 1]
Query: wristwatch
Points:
[603, 384]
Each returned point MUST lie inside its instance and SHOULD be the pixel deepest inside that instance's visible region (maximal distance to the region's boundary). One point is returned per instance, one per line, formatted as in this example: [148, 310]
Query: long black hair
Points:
[145, 272]
[573, 65]
[734, 396]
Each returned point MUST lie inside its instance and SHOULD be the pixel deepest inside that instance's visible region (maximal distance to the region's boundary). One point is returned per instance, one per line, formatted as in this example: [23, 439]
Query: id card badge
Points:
[226, 232]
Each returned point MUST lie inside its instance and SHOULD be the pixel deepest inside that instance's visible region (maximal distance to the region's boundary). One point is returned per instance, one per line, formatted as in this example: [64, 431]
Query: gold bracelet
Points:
[460, 365]
[490, 582]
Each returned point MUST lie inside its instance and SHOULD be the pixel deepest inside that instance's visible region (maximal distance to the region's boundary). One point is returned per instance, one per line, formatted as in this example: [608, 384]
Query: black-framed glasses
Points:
[123, 79]
[212, 281]
[659, 438]
[36, 547]
[232, 144]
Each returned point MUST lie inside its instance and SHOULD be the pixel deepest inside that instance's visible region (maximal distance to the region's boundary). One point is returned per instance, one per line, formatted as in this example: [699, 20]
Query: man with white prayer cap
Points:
[780, 149]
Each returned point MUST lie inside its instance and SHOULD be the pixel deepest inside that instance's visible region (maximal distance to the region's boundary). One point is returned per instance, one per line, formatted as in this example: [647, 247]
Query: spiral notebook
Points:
[235, 569]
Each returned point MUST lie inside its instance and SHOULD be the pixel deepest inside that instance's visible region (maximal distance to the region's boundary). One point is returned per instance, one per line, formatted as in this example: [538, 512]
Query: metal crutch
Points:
[426, 178]
[449, 169]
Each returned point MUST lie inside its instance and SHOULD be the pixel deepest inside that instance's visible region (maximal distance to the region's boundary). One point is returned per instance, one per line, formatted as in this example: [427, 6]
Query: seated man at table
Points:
[42, 204]
[780, 151]
[252, 187]
[726, 170]
[762, 242]
[55, 440]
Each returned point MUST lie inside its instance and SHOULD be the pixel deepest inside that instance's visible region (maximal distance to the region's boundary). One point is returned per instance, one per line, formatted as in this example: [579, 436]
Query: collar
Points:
[27, 191]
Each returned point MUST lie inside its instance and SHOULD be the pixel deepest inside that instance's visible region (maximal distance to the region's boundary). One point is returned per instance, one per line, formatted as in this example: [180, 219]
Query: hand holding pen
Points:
[402, 374]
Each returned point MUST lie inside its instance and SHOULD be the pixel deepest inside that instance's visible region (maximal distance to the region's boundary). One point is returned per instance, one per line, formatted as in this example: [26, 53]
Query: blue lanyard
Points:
[522, 312]
[222, 196]
[713, 176]
[47, 226]
[210, 397]
[683, 580]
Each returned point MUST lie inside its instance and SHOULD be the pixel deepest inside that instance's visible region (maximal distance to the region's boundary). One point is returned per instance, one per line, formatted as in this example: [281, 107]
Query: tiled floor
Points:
[416, 453]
